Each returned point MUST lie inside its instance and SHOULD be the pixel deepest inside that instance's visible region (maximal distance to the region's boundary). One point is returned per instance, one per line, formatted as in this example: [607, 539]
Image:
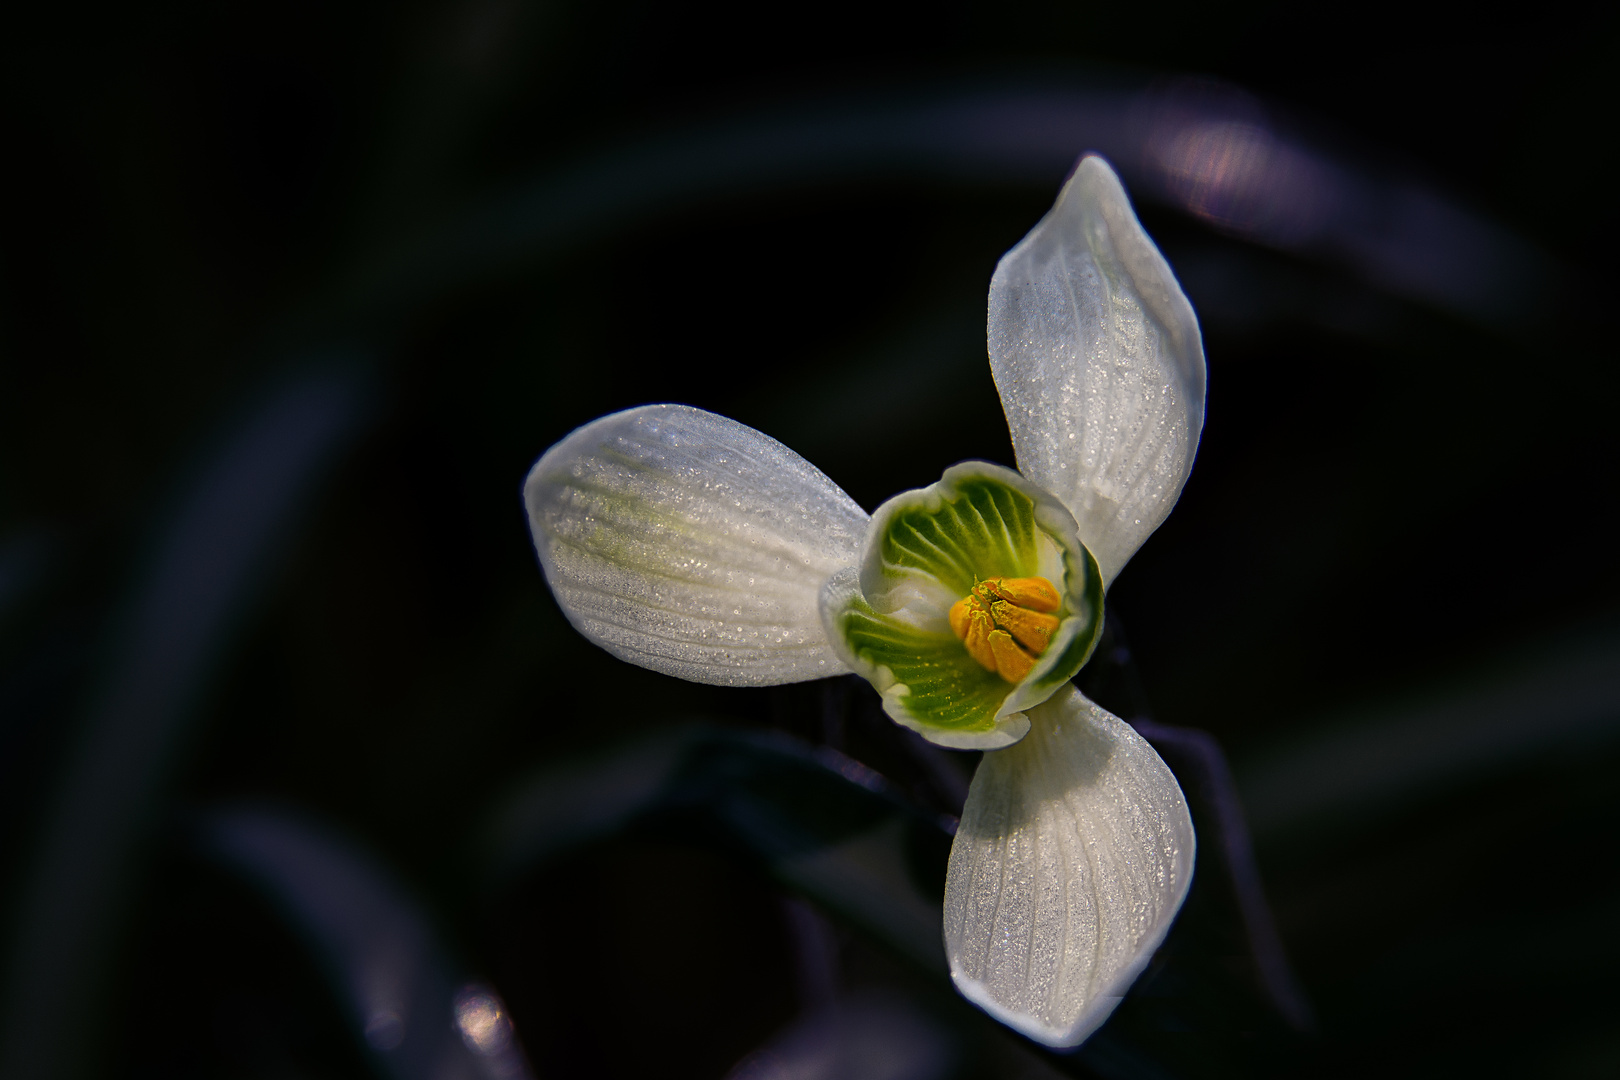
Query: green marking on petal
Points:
[928, 665]
[924, 551]
[985, 530]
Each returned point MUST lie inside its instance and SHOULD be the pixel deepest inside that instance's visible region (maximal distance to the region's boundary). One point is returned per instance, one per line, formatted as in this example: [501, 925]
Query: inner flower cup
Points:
[957, 587]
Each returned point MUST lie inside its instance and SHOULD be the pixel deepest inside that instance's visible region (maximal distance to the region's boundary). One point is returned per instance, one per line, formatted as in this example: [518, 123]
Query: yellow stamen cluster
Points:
[1007, 622]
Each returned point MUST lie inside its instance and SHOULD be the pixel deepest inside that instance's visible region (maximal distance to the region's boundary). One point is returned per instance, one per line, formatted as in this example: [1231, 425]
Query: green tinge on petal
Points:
[925, 550]
[929, 665]
[987, 530]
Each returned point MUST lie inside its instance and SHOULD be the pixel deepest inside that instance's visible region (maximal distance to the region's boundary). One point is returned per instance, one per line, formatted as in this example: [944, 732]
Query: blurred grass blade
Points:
[821, 823]
[1174, 145]
[379, 949]
[868, 1036]
[209, 558]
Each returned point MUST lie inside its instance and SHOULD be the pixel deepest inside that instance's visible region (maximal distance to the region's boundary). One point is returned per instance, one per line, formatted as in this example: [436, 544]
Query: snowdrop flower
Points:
[693, 545]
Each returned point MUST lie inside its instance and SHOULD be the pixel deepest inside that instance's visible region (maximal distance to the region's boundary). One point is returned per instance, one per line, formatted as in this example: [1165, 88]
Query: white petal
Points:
[1099, 362]
[693, 545]
[1074, 853]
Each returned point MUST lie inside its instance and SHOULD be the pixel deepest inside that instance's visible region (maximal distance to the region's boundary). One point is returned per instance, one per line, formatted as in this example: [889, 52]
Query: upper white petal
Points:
[1100, 365]
[693, 545]
[1074, 853]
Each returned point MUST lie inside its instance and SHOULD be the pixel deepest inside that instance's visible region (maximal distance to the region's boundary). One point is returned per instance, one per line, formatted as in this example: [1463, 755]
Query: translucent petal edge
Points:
[1099, 191]
[1076, 638]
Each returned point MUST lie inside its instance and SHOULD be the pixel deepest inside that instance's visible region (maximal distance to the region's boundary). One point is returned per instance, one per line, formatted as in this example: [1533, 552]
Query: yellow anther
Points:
[1012, 663]
[1035, 593]
[976, 636]
[962, 614]
[999, 615]
[1033, 629]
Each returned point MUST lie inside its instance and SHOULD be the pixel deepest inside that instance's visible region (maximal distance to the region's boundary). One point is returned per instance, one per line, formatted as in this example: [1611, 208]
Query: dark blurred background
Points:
[302, 771]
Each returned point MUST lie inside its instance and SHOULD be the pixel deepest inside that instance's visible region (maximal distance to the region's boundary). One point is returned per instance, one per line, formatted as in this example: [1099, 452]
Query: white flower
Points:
[693, 545]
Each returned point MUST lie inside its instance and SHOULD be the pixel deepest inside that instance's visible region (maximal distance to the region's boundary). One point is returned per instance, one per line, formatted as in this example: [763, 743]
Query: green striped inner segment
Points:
[948, 690]
[987, 531]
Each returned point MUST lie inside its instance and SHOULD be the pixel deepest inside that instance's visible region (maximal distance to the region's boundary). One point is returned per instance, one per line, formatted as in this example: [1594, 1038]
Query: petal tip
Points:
[1081, 810]
[1065, 1039]
[1099, 361]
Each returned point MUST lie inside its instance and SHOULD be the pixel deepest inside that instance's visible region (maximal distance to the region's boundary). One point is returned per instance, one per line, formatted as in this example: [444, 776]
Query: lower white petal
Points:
[693, 545]
[1074, 853]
